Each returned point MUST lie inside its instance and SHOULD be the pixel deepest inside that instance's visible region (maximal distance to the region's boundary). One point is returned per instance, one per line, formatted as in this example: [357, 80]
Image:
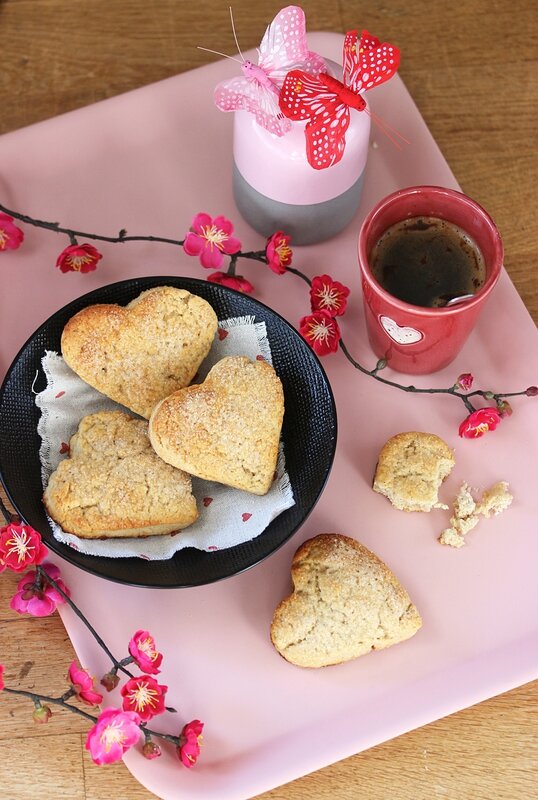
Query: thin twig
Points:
[410, 388]
[117, 664]
[70, 232]
[59, 701]
[8, 516]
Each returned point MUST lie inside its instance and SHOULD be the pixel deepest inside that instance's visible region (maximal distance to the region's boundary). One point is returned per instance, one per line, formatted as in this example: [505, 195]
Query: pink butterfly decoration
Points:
[283, 48]
[325, 101]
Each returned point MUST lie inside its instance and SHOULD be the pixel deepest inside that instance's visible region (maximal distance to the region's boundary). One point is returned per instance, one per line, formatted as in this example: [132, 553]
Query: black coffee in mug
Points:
[427, 261]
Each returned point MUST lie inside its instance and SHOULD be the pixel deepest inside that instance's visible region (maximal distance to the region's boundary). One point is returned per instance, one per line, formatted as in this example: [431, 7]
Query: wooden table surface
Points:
[471, 69]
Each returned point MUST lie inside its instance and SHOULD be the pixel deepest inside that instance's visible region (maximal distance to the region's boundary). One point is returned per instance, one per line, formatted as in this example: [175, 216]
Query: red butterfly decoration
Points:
[325, 101]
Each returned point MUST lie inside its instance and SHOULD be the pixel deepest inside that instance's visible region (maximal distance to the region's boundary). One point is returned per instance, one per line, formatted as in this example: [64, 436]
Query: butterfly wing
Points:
[325, 136]
[369, 63]
[350, 60]
[284, 46]
[304, 97]
[244, 94]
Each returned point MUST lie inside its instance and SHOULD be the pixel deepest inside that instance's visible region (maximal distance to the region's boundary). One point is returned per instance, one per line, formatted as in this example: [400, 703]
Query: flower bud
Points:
[532, 391]
[42, 714]
[110, 681]
[489, 395]
[464, 382]
[151, 750]
[504, 408]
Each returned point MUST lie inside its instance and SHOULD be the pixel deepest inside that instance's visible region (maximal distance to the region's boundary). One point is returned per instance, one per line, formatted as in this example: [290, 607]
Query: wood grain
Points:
[471, 69]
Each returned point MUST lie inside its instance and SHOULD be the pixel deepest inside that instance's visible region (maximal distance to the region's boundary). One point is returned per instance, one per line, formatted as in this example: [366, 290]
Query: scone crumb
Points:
[463, 525]
[495, 499]
[451, 537]
[466, 511]
[464, 504]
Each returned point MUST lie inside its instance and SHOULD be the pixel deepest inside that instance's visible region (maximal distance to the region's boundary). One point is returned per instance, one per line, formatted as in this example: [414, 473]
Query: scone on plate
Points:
[346, 602]
[140, 353]
[226, 429]
[410, 469]
[113, 484]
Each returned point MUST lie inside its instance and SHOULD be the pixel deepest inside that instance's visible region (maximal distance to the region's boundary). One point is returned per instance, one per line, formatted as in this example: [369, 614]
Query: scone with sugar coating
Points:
[410, 469]
[346, 602]
[140, 353]
[113, 484]
[227, 429]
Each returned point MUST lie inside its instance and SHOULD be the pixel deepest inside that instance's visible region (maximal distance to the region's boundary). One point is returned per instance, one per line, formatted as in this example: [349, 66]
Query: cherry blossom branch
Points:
[44, 576]
[115, 730]
[73, 234]
[117, 665]
[211, 239]
[57, 701]
[38, 699]
[381, 364]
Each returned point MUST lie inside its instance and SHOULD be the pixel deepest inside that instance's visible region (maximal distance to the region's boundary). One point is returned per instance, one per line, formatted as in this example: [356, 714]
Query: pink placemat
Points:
[148, 161]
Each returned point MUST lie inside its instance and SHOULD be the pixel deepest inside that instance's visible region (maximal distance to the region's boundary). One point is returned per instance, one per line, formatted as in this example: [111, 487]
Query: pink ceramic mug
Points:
[416, 339]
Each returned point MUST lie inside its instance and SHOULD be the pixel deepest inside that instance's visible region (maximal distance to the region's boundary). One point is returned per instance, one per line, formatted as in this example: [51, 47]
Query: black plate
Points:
[309, 435]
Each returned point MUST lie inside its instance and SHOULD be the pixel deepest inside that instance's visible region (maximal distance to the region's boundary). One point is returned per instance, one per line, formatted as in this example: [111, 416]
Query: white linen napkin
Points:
[227, 516]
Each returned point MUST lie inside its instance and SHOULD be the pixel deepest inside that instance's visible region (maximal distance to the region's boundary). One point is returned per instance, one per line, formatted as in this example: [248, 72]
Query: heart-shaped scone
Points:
[227, 429]
[113, 484]
[401, 334]
[139, 353]
[346, 602]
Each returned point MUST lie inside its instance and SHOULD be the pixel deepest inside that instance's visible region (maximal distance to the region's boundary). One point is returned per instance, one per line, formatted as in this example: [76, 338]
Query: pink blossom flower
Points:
[465, 381]
[209, 238]
[144, 653]
[145, 696]
[479, 422]
[321, 332]
[2, 677]
[11, 237]
[278, 252]
[20, 547]
[38, 598]
[190, 742]
[78, 258]
[42, 714]
[112, 735]
[328, 295]
[82, 682]
[151, 750]
[236, 282]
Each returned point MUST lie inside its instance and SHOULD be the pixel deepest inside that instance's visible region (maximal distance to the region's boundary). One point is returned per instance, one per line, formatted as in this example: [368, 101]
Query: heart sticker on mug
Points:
[400, 334]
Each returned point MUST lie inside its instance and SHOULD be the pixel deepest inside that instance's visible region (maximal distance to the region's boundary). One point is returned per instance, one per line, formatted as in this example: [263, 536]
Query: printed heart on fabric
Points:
[401, 334]
[345, 603]
[226, 429]
[140, 353]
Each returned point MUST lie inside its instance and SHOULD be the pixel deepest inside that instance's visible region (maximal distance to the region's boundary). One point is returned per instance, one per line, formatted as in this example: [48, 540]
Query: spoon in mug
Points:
[455, 300]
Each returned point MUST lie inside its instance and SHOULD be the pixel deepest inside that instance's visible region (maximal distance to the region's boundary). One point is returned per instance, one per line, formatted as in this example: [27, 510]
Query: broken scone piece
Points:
[466, 511]
[113, 484]
[410, 469]
[346, 602]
